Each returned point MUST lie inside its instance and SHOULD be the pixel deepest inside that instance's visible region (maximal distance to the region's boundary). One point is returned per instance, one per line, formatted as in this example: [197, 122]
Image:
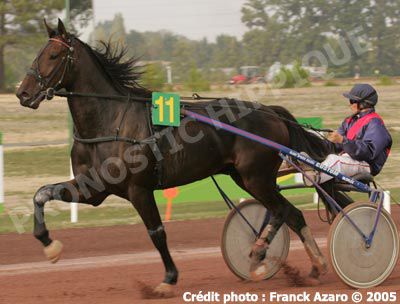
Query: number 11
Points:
[170, 104]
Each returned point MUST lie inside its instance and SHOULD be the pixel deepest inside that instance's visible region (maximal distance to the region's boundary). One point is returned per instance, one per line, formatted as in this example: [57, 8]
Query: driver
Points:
[362, 141]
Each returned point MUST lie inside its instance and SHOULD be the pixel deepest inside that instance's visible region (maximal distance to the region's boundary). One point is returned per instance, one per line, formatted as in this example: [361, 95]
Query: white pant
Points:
[345, 165]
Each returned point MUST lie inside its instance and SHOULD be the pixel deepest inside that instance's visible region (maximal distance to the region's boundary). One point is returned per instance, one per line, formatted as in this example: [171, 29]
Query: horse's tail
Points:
[303, 140]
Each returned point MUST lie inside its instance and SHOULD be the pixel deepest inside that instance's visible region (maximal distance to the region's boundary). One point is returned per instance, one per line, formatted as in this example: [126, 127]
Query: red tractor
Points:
[248, 74]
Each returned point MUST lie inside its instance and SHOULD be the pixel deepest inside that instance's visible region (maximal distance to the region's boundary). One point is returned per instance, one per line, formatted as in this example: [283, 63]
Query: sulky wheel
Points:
[355, 264]
[238, 239]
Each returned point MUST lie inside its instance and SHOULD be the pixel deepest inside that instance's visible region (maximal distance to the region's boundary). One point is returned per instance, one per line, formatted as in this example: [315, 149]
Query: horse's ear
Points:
[61, 29]
[50, 31]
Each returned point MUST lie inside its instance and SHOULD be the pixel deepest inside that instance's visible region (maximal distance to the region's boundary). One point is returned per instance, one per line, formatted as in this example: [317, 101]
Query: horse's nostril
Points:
[23, 96]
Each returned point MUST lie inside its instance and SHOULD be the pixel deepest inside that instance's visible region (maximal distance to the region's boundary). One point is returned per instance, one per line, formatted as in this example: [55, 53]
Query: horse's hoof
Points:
[259, 273]
[164, 290]
[53, 251]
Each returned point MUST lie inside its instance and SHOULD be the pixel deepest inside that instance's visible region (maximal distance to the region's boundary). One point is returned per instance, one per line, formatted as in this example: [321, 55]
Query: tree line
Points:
[348, 36]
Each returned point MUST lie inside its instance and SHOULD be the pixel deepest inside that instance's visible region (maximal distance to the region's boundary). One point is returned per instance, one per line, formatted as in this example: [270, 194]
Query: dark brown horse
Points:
[118, 151]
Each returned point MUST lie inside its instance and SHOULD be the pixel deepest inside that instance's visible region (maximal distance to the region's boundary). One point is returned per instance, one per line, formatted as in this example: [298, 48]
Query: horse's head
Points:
[49, 70]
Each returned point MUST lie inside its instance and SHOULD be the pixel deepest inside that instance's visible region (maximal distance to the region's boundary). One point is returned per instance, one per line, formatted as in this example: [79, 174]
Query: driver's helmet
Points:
[363, 94]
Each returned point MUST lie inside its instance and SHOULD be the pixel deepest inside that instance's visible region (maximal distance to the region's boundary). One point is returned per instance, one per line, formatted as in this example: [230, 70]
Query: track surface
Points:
[104, 265]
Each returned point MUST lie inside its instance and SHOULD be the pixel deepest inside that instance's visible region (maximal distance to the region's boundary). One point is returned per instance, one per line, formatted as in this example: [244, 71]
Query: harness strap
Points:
[121, 97]
[61, 42]
[155, 148]
[132, 141]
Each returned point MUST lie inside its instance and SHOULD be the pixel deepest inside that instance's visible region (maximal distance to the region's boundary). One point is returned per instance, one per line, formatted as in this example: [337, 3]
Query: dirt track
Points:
[104, 265]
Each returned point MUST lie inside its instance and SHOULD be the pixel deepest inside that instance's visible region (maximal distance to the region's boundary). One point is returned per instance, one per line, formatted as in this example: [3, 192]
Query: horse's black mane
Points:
[123, 74]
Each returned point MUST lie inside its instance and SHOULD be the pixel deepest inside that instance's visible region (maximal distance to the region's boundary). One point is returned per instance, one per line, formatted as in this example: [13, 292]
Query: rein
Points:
[78, 94]
[113, 138]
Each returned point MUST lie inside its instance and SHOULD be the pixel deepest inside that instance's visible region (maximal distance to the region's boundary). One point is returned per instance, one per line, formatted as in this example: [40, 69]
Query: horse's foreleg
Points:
[67, 192]
[144, 202]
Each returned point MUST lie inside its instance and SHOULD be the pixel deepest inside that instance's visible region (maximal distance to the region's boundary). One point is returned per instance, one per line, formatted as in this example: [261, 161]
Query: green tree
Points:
[227, 52]
[81, 13]
[154, 77]
[293, 26]
[98, 34]
[113, 30]
[296, 27]
[379, 21]
[196, 81]
[156, 45]
[263, 47]
[118, 32]
[101, 32]
[203, 53]
[136, 43]
[383, 31]
[182, 59]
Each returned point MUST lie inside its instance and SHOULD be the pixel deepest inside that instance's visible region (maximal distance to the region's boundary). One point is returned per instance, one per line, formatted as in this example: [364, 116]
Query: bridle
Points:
[49, 89]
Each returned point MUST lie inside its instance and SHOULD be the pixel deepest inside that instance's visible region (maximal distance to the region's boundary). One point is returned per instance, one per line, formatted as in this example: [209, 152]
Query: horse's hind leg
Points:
[295, 220]
[143, 201]
[260, 247]
[283, 211]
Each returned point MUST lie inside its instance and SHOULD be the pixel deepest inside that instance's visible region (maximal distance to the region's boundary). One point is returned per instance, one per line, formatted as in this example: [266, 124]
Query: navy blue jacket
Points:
[371, 144]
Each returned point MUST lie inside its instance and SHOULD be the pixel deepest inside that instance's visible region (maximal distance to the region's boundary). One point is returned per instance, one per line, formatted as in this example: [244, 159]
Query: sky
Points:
[194, 19]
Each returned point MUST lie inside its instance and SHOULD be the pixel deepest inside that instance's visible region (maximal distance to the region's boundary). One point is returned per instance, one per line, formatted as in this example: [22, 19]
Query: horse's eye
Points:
[53, 56]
